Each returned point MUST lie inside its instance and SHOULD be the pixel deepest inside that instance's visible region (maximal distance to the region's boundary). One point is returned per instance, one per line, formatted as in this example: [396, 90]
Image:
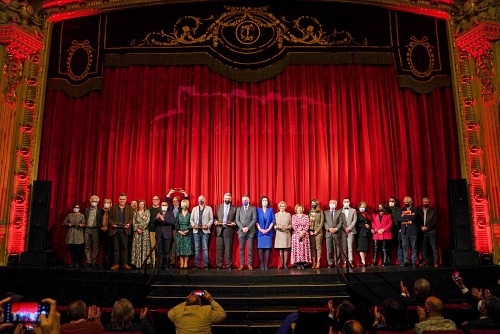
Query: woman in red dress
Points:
[301, 251]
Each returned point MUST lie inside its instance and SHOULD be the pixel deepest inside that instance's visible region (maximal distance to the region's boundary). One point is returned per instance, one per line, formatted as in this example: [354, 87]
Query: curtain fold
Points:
[313, 131]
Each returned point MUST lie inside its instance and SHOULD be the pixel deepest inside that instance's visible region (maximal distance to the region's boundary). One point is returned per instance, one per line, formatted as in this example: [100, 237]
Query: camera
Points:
[199, 293]
[456, 275]
[26, 313]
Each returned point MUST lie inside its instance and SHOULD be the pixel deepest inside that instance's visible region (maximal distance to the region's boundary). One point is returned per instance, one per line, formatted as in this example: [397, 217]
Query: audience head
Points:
[77, 310]
[434, 306]
[122, 314]
[353, 327]
[193, 299]
[345, 311]
[394, 311]
[492, 306]
[421, 286]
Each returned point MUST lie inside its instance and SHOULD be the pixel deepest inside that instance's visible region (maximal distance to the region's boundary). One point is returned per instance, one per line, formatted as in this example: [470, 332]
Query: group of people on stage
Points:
[176, 230]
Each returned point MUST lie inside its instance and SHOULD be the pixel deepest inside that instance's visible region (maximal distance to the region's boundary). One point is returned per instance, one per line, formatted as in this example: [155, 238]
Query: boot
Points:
[375, 255]
[313, 266]
[386, 259]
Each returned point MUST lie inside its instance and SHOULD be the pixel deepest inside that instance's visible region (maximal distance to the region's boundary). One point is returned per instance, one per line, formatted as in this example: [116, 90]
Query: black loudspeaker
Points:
[464, 258]
[39, 219]
[37, 259]
[460, 215]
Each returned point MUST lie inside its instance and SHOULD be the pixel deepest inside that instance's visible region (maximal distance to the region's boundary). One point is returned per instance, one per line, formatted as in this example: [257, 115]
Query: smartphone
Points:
[26, 313]
[456, 275]
[200, 293]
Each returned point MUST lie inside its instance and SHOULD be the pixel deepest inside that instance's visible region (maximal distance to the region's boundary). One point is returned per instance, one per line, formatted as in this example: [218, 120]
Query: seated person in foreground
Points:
[193, 317]
[431, 317]
[340, 315]
[391, 318]
[82, 321]
[122, 316]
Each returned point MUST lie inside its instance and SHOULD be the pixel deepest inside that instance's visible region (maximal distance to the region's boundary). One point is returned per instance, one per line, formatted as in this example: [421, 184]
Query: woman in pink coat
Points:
[381, 229]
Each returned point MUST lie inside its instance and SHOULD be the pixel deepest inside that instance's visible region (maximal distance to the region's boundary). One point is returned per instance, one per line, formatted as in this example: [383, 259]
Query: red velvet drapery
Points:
[313, 131]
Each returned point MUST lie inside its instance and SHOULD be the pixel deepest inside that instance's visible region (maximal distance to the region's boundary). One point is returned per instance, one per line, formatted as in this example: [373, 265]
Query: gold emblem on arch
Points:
[88, 52]
[414, 45]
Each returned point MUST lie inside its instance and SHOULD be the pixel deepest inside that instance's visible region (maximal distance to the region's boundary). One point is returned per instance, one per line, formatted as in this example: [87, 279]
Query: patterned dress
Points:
[141, 244]
[184, 243]
[301, 251]
[74, 235]
[283, 235]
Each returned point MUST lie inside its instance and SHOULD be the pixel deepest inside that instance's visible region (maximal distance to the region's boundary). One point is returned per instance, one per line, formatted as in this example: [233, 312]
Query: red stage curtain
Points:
[311, 132]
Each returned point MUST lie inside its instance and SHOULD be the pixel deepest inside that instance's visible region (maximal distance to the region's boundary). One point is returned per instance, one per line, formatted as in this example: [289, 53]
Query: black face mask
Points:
[407, 205]
[426, 206]
[227, 202]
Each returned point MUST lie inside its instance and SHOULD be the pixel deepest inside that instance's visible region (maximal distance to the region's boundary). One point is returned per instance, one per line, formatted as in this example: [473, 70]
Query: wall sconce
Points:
[21, 176]
[474, 150]
[30, 104]
[469, 102]
[26, 128]
[24, 152]
[472, 126]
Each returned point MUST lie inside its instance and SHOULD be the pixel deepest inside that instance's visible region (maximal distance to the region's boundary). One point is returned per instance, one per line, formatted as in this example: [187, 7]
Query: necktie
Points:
[226, 209]
[331, 213]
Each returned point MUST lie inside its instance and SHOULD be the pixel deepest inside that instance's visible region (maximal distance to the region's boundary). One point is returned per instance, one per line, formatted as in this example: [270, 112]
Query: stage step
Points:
[251, 301]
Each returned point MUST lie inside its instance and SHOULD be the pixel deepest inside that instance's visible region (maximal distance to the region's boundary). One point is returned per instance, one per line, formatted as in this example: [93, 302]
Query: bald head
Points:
[353, 327]
[435, 305]
[193, 299]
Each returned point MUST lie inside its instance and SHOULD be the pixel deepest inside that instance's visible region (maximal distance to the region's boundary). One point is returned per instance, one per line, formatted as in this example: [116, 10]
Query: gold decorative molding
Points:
[474, 12]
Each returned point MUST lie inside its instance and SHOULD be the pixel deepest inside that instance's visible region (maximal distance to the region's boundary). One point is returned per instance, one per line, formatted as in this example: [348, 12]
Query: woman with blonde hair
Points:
[283, 226]
[184, 242]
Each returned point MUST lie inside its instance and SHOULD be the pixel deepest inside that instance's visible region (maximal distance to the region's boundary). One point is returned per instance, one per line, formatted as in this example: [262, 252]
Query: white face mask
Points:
[164, 208]
[346, 204]
[107, 205]
[332, 206]
[361, 209]
[94, 204]
[391, 204]
[264, 203]
[76, 209]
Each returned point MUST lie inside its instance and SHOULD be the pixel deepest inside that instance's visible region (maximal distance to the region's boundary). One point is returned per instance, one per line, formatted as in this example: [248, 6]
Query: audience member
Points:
[421, 289]
[431, 317]
[2, 314]
[489, 318]
[122, 316]
[193, 317]
[353, 327]
[50, 323]
[338, 316]
[81, 320]
[392, 317]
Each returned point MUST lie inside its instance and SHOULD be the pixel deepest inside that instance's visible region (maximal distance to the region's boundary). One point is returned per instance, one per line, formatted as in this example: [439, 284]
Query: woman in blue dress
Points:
[265, 233]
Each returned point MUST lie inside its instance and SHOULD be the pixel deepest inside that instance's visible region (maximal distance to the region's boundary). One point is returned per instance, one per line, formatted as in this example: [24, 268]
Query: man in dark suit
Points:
[409, 231]
[225, 222]
[93, 222]
[164, 226]
[120, 223]
[428, 219]
[334, 220]
[246, 216]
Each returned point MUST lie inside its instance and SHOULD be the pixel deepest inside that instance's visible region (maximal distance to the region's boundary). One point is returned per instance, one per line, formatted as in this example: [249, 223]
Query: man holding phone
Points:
[193, 317]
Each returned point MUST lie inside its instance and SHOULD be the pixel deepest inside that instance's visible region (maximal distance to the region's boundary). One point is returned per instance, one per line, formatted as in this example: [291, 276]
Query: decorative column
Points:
[479, 96]
[19, 95]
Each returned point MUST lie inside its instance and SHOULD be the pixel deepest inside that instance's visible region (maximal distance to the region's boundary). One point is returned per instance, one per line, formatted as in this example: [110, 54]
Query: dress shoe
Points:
[126, 267]
[206, 268]
[343, 265]
[423, 263]
[240, 268]
[115, 267]
[436, 265]
[229, 268]
[250, 267]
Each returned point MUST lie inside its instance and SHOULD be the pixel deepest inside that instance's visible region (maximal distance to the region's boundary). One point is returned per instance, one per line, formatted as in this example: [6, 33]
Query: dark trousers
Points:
[163, 246]
[399, 249]
[120, 247]
[407, 242]
[75, 252]
[224, 248]
[107, 248]
[430, 238]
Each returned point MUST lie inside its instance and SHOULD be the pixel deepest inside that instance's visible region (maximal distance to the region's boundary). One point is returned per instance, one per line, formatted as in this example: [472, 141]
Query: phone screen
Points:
[456, 275]
[198, 292]
[27, 313]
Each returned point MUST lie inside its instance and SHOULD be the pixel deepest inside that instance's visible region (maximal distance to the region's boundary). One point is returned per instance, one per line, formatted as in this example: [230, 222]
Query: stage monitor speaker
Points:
[462, 237]
[37, 259]
[464, 258]
[39, 219]
[458, 190]
[460, 215]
